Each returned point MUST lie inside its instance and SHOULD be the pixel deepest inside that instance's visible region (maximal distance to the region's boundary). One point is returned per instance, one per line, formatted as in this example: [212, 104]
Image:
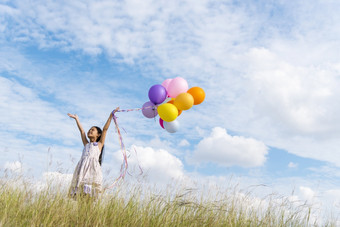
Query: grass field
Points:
[20, 205]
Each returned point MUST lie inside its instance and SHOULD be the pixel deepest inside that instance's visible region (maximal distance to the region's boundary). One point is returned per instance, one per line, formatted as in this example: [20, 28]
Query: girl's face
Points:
[93, 133]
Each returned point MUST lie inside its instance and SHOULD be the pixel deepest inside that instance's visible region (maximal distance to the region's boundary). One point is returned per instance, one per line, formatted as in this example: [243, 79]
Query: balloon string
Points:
[140, 168]
[136, 109]
[143, 108]
[124, 166]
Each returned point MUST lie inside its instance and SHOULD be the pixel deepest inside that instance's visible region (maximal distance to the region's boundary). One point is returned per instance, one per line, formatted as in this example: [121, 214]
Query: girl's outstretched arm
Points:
[82, 132]
[105, 128]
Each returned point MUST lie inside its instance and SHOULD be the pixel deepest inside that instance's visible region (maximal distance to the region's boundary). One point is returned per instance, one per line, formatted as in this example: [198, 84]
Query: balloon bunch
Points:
[169, 99]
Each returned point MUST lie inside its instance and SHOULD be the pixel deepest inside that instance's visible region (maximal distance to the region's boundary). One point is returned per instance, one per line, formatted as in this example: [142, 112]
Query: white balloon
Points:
[171, 126]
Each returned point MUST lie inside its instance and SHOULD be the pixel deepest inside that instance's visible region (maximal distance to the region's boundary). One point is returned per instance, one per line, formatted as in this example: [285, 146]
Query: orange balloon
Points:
[198, 94]
[184, 101]
[172, 102]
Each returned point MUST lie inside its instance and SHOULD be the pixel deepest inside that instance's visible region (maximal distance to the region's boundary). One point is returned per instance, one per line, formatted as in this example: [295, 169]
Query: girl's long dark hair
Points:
[101, 156]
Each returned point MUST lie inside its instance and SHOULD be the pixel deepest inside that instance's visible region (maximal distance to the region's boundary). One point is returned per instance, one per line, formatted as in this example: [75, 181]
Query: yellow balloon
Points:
[167, 111]
[184, 101]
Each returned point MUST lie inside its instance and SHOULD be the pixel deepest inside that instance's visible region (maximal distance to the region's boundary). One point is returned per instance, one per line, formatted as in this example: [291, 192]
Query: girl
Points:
[87, 176]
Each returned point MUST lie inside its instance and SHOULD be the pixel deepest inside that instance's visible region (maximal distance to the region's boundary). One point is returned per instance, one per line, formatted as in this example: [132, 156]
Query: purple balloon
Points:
[149, 110]
[157, 94]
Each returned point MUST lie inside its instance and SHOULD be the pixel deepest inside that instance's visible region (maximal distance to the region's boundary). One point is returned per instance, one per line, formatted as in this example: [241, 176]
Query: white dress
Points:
[87, 176]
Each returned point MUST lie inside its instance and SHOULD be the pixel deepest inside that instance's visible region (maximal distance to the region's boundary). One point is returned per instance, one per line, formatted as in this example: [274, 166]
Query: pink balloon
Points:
[161, 122]
[166, 83]
[177, 86]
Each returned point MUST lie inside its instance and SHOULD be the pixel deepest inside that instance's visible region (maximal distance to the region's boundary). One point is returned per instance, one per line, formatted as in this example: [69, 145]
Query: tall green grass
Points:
[21, 205]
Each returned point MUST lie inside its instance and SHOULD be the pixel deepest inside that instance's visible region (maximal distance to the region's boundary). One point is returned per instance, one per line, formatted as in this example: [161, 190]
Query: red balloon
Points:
[161, 122]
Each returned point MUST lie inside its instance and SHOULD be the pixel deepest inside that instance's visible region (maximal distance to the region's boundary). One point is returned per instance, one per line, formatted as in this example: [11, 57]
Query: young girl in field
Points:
[87, 177]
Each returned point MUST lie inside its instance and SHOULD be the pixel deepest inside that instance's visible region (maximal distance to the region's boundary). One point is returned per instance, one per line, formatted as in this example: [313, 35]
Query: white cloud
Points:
[329, 171]
[4, 9]
[158, 165]
[184, 143]
[297, 98]
[332, 198]
[54, 181]
[307, 193]
[227, 150]
[132, 29]
[292, 165]
[291, 106]
[23, 111]
[13, 166]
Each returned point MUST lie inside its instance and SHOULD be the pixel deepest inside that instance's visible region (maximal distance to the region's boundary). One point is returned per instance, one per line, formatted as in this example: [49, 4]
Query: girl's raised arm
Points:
[82, 132]
[105, 128]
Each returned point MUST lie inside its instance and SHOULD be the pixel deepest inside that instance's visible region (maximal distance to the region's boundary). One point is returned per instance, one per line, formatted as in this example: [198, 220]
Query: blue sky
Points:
[270, 70]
